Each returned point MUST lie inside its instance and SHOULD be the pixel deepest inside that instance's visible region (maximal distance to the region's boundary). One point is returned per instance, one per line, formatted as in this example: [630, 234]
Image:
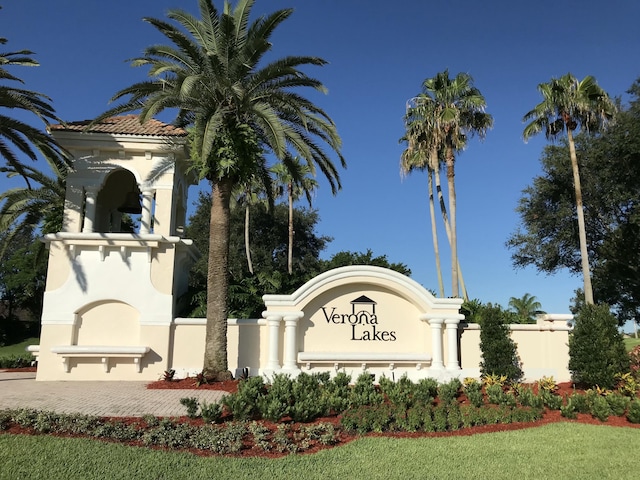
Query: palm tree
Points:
[15, 134]
[293, 178]
[37, 206]
[568, 104]
[456, 114]
[238, 110]
[248, 194]
[526, 308]
[422, 154]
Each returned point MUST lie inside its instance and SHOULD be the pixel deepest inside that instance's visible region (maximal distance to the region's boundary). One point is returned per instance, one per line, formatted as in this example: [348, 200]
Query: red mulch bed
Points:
[251, 450]
[22, 369]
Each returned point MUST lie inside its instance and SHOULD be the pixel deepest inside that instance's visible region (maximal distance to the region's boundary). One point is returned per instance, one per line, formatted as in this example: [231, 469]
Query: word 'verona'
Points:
[357, 321]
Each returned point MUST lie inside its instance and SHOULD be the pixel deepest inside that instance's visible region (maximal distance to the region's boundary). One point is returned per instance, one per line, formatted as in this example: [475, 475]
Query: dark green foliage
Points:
[633, 415]
[191, 404]
[618, 403]
[16, 361]
[210, 412]
[307, 399]
[364, 392]
[499, 353]
[426, 390]
[600, 408]
[596, 348]
[276, 403]
[244, 404]
[336, 392]
[448, 392]
[551, 400]
[400, 393]
[473, 391]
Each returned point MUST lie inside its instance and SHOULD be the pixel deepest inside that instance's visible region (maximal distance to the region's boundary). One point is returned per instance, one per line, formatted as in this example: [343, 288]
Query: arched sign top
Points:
[391, 280]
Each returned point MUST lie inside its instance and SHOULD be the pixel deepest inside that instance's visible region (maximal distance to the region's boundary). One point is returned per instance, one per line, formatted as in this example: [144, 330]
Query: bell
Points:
[131, 204]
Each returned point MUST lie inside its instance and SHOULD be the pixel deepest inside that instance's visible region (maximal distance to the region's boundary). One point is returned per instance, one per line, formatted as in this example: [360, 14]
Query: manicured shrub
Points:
[499, 352]
[449, 391]
[600, 408]
[244, 404]
[307, 403]
[191, 404]
[364, 392]
[336, 393]
[618, 403]
[596, 348]
[633, 415]
[473, 391]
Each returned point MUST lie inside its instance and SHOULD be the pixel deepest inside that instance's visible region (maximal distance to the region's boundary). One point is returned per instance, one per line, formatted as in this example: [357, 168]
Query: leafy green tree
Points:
[526, 308]
[18, 137]
[457, 112]
[596, 348]
[499, 351]
[569, 103]
[238, 109]
[346, 258]
[610, 182]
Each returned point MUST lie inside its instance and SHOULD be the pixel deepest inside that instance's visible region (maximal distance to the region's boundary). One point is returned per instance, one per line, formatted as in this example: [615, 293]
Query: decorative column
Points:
[437, 361]
[291, 341]
[147, 202]
[91, 194]
[273, 324]
[452, 343]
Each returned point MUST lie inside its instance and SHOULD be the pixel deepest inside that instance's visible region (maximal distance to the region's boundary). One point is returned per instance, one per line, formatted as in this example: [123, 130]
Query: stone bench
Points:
[104, 352]
[35, 351]
[390, 359]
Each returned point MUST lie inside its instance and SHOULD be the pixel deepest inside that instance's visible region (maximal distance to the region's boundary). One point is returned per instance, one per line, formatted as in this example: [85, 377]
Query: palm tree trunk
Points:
[447, 228]
[455, 291]
[434, 234]
[290, 251]
[215, 353]
[582, 232]
[247, 250]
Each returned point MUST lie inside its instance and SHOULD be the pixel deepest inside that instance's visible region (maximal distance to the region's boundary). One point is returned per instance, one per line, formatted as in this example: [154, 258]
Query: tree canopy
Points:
[610, 172]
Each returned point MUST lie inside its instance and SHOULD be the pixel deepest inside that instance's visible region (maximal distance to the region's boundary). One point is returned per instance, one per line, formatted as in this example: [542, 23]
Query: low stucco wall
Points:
[543, 348]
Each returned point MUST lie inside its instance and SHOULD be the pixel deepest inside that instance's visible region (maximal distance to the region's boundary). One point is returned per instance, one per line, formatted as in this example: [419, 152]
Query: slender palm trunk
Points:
[215, 353]
[434, 234]
[455, 291]
[290, 251]
[247, 250]
[582, 232]
[447, 228]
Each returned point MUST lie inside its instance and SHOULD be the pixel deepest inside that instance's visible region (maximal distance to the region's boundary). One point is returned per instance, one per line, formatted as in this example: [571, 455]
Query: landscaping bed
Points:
[258, 420]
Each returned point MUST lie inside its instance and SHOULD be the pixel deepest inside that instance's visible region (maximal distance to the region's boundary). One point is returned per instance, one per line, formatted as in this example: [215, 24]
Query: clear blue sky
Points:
[379, 53]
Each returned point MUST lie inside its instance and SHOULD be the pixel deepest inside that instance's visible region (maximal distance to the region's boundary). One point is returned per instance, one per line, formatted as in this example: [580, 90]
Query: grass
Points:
[629, 343]
[561, 450]
[18, 348]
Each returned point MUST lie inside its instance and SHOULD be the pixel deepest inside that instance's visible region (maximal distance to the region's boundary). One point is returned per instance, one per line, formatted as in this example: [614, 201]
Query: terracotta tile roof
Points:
[124, 125]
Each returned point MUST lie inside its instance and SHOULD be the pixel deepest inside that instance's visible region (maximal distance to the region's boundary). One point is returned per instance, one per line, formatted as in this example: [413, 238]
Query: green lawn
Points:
[18, 348]
[629, 343]
[563, 450]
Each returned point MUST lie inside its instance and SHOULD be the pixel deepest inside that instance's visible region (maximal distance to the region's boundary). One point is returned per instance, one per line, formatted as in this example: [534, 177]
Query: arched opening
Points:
[116, 204]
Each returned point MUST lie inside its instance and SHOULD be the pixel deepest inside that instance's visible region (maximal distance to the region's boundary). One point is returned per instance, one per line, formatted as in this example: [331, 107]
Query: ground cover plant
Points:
[315, 412]
[549, 450]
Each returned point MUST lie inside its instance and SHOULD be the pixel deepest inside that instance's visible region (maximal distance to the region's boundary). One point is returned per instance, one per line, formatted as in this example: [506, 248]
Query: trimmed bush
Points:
[596, 348]
[499, 352]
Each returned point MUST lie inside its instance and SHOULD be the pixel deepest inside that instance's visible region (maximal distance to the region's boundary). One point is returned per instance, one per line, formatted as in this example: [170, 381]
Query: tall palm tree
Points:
[569, 103]
[238, 109]
[526, 308]
[248, 194]
[293, 180]
[422, 154]
[457, 113]
[16, 134]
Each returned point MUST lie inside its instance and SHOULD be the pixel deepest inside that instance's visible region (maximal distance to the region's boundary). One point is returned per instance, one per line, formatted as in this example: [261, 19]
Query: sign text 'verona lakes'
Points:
[364, 325]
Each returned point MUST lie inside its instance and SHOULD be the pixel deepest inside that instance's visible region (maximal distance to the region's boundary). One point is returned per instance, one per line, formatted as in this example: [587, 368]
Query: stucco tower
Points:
[112, 290]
